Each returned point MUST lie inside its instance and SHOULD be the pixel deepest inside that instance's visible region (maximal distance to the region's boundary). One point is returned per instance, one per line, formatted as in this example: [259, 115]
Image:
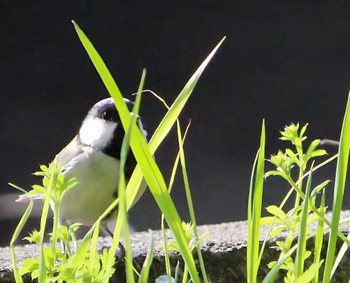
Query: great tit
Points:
[92, 158]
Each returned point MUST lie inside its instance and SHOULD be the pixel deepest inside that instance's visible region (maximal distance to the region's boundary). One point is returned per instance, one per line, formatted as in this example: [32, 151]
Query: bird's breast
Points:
[97, 175]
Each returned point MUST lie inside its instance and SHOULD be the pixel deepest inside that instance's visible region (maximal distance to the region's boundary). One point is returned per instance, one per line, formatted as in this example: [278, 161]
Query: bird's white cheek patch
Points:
[96, 132]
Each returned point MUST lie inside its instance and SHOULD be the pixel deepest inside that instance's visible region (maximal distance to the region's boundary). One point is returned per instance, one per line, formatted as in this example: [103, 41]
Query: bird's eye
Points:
[109, 115]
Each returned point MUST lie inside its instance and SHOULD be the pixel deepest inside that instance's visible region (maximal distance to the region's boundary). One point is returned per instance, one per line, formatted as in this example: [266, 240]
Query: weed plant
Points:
[291, 228]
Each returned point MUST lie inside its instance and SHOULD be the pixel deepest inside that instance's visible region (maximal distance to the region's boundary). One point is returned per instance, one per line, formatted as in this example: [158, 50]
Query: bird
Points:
[93, 159]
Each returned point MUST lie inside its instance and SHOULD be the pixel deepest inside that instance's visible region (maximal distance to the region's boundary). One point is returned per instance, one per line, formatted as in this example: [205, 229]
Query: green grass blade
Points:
[175, 109]
[166, 250]
[22, 222]
[254, 211]
[93, 247]
[165, 240]
[139, 147]
[344, 248]
[43, 220]
[122, 209]
[148, 261]
[340, 179]
[250, 245]
[300, 256]
[319, 234]
[270, 277]
[158, 188]
[189, 200]
[168, 121]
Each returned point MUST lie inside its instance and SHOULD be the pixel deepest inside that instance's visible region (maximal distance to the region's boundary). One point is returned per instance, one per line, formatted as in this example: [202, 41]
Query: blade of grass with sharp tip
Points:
[169, 119]
[139, 147]
[254, 211]
[339, 185]
[122, 209]
[22, 222]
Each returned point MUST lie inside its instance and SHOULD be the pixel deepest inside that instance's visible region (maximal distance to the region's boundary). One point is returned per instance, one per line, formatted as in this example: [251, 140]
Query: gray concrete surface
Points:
[224, 252]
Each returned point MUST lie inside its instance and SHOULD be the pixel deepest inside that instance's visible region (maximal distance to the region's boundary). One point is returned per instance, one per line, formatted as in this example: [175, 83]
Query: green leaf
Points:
[277, 231]
[268, 220]
[319, 152]
[33, 237]
[275, 210]
[142, 153]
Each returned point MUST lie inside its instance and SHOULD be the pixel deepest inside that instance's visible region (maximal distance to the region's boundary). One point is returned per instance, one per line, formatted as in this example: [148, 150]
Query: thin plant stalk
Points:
[121, 188]
[43, 220]
[22, 222]
[300, 255]
[319, 235]
[189, 200]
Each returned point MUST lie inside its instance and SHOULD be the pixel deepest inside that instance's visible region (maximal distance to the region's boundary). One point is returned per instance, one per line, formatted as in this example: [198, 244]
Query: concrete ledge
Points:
[224, 253]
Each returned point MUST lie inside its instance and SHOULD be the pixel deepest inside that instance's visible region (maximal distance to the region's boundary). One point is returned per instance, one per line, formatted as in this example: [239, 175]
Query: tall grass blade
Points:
[169, 119]
[254, 210]
[43, 220]
[189, 200]
[170, 186]
[139, 147]
[340, 179]
[22, 222]
[319, 234]
[122, 209]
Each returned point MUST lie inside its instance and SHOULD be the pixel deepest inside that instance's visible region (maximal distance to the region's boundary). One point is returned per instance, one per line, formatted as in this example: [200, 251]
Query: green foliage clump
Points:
[299, 261]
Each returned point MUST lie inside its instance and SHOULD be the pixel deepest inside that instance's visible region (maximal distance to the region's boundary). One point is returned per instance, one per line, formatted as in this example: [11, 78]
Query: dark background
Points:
[282, 61]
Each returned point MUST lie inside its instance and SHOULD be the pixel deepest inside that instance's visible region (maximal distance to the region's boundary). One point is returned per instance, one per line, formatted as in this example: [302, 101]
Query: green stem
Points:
[54, 232]
[185, 278]
[300, 189]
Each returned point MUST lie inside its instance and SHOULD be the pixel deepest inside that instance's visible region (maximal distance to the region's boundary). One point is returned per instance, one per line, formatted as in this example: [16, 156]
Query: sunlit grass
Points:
[297, 261]
[85, 264]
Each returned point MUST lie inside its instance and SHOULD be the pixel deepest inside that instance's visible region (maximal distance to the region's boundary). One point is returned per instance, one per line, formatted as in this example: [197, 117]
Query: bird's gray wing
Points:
[69, 152]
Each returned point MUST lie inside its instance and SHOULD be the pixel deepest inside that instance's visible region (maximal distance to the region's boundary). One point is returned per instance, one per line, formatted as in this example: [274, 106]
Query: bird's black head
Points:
[102, 130]
[105, 110]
